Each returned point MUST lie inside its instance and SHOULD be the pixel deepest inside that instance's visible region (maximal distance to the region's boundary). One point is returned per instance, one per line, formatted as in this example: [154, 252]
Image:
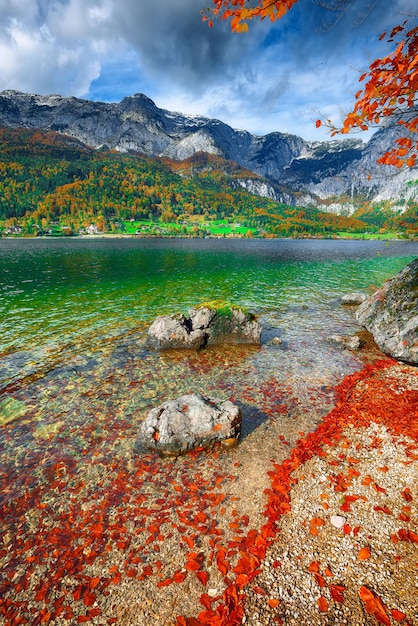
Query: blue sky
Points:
[278, 77]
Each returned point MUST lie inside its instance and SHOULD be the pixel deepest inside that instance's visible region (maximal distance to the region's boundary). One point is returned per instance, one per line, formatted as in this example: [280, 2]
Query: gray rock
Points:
[205, 325]
[349, 343]
[174, 331]
[353, 298]
[189, 422]
[391, 315]
[276, 341]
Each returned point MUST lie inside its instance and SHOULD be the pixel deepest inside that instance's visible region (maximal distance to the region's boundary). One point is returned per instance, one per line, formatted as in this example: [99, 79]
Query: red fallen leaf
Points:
[179, 577]
[96, 529]
[368, 599]
[131, 572]
[384, 509]
[41, 594]
[203, 577]
[89, 598]
[323, 604]
[398, 616]
[328, 572]
[206, 601]
[241, 580]
[45, 618]
[93, 582]
[379, 489]
[81, 619]
[273, 602]
[116, 578]
[223, 566]
[165, 582]
[314, 566]
[406, 494]
[192, 565]
[347, 529]
[93, 612]
[364, 554]
[403, 517]
[367, 480]
[259, 590]
[320, 580]
[337, 592]
[382, 618]
[189, 541]
[412, 536]
[147, 570]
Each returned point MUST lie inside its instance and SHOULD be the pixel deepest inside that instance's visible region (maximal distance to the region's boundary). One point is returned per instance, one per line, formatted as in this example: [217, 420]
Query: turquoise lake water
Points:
[65, 302]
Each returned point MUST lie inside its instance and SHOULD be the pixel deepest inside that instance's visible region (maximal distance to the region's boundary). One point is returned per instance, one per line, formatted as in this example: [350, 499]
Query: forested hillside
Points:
[52, 184]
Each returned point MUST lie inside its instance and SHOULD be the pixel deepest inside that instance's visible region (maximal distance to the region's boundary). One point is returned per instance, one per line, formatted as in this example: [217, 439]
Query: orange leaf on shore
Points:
[323, 604]
[337, 592]
[273, 602]
[398, 616]
[364, 554]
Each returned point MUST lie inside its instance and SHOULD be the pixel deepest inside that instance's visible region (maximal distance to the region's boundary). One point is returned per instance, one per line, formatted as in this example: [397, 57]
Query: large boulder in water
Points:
[189, 422]
[216, 322]
[391, 315]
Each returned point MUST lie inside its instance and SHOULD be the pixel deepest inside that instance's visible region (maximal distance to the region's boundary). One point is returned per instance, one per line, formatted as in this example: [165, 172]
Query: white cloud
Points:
[274, 78]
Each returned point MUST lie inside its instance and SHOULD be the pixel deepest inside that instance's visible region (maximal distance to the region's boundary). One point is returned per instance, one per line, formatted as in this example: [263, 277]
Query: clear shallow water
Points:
[62, 300]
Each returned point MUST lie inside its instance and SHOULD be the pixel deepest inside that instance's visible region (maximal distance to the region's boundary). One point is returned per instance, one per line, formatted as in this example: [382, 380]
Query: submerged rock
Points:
[10, 410]
[189, 422]
[212, 323]
[349, 343]
[391, 315]
[356, 297]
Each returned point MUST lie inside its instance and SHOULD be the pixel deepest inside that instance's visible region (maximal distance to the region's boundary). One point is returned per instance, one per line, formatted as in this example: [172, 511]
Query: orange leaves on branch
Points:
[389, 91]
[239, 12]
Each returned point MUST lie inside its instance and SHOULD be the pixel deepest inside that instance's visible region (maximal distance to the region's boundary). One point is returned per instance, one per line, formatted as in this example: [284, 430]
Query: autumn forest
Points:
[54, 185]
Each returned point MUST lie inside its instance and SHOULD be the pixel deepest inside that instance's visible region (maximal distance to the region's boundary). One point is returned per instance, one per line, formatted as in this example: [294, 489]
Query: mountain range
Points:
[333, 175]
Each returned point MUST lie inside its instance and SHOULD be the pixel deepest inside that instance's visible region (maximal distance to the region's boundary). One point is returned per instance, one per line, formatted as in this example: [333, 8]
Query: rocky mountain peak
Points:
[305, 171]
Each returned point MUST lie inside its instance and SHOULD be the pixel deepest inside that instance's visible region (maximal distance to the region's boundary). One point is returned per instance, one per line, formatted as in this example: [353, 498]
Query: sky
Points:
[278, 77]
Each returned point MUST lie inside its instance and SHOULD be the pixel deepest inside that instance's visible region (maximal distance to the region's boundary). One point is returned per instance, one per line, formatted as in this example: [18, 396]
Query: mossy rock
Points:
[223, 308]
[10, 410]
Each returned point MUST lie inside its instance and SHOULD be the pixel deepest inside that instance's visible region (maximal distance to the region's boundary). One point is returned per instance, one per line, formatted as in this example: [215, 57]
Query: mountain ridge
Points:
[299, 171]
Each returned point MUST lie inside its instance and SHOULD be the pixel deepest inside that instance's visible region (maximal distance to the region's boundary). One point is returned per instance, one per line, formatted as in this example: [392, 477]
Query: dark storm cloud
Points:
[173, 42]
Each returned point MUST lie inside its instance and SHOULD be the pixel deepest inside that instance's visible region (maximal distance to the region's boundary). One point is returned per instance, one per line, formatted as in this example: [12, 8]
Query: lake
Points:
[77, 378]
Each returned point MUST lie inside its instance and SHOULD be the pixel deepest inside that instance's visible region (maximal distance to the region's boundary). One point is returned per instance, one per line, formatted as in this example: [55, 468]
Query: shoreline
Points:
[133, 236]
